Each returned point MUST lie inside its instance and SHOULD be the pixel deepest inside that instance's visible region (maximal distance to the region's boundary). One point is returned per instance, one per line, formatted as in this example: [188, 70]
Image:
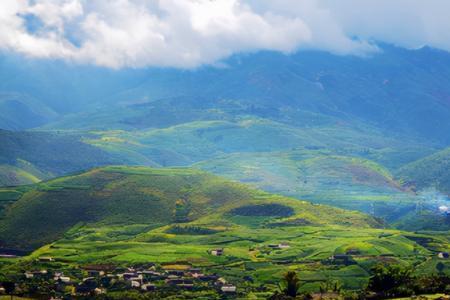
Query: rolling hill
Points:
[201, 140]
[430, 172]
[20, 111]
[55, 153]
[136, 216]
[319, 176]
[20, 174]
[155, 197]
[30, 156]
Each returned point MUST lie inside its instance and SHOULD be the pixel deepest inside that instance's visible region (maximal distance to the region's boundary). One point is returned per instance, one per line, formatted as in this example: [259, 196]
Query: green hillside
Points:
[137, 195]
[390, 91]
[196, 141]
[19, 111]
[12, 175]
[319, 176]
[56, 153]
[431, 171]
[135, 216]
[30, 156]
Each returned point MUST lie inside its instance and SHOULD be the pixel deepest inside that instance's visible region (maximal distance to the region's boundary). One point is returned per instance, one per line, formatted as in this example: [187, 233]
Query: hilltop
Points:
[154, 197]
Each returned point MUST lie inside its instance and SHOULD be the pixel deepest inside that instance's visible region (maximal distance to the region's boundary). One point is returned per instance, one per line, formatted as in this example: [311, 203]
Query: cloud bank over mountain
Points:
[190, 33]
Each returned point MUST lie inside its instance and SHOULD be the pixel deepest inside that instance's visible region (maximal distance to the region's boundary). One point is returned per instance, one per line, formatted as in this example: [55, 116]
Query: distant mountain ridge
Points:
[349, 117]
[401, 91]
[29, 156]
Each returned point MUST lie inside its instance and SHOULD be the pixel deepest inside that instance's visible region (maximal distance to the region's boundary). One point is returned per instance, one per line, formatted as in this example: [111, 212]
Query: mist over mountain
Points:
[224, 149]
[399, 91]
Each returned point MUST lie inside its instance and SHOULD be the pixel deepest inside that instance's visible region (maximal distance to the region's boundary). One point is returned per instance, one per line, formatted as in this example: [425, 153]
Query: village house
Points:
[64, 279]
[278, 246]
[34, 274]
[130, 275]
[217, 252]
[88, 279]
[207, 278]
[341, 259]
[221, 281]
[100, 268]
[148, 287]
[95, 273]
[59, 276]
[197, 275]
[175, 273]
[7, 256]
[352, 252]
[139, 279]
[46, 259]
[195, 271]
[106, 279]
[152, 275]
[64, 286]
[228, 288]
[99, 291]
[174, 281]
[86, 287]
[186, 286]
[135, 283]
[283, 245]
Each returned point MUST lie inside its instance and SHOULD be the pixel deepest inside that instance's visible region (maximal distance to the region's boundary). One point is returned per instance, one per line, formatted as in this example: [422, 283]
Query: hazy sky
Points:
[189, 33]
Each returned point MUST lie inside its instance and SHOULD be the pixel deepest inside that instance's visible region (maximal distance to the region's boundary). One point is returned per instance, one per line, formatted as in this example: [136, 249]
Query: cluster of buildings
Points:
[101, 279]
[98, 279]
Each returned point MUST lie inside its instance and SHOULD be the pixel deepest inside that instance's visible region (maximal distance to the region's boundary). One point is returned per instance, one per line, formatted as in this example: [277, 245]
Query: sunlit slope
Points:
[15, 175]
[432, 171]
[30, 156]
[57, 153]
[196, 141]
[20, 111]
[319, 176]
[401, 91]
[138, 195]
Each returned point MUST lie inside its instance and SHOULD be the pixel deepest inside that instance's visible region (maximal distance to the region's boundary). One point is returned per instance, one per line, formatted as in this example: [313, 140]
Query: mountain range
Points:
[311, 161]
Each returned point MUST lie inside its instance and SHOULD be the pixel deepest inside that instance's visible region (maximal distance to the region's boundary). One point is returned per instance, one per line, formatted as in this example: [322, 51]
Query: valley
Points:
[324, 165]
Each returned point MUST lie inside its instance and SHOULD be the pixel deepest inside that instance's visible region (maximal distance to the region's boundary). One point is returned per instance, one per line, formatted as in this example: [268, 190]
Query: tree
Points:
[9, 288]
[333, 286]
[390, 280]
[291, 284]
[181, 212]
[440, 267]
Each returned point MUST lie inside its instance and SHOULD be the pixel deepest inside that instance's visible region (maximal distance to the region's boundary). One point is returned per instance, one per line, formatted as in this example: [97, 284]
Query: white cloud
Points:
[189, 33]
